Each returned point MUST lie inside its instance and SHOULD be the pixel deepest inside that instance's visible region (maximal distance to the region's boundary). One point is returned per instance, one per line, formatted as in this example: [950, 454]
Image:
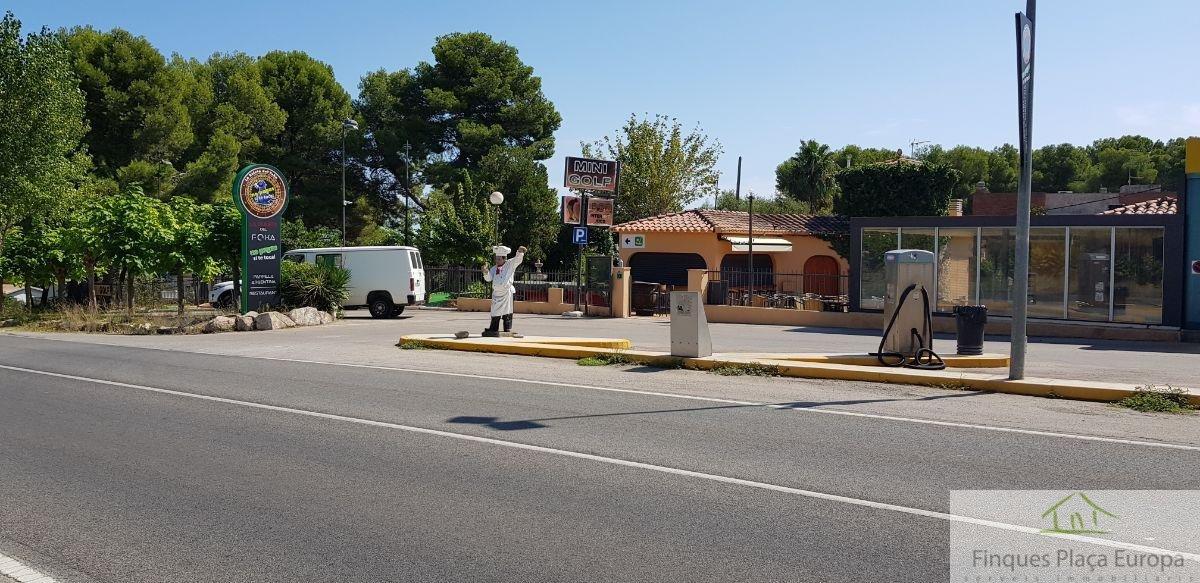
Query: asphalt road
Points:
[127, 464]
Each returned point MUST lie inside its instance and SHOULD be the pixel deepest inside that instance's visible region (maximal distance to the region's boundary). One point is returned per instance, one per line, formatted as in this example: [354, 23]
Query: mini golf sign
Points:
[590, 174]
[261, 193]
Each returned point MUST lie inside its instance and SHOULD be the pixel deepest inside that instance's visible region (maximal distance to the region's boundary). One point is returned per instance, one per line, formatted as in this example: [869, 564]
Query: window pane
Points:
[916, 238]
[1047, 259]
[956, 268]
[330, 259]
[1138, 290]
[872, 284]
[997, 254]
[1088, 279]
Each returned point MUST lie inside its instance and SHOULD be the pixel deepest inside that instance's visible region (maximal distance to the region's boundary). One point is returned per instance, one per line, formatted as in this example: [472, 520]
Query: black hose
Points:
[924, 358]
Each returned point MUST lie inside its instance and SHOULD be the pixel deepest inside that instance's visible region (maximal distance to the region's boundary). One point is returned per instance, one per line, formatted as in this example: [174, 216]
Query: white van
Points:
[382, 279]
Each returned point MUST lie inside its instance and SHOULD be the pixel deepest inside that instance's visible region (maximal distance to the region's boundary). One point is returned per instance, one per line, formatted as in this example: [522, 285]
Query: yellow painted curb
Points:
[952, 361]
[1063, 388]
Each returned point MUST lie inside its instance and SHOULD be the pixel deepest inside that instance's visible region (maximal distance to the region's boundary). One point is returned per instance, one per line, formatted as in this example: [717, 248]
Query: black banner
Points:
[1025, 47]
[261, 193]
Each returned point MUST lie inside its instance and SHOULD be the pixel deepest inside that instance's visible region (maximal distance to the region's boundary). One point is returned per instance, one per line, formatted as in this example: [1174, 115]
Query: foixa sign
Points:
[261, 193]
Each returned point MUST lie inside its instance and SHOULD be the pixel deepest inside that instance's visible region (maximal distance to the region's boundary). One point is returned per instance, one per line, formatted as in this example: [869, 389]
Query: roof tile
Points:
[717, 221]
[1167, 205]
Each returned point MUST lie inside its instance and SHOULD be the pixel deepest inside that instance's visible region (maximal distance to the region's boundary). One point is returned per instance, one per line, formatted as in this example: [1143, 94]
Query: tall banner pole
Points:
[1020, 292]
[1190, 207]
[261, 194]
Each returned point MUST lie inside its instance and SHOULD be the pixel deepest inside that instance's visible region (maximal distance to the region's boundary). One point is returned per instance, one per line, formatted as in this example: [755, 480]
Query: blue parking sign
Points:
[580, 236]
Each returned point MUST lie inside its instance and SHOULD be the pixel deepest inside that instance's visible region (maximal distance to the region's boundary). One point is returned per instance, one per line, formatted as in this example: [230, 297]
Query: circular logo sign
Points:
[263, 192]
[1026, 44]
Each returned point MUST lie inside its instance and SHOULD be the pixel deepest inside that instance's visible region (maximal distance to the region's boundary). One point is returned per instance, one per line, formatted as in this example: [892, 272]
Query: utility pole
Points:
[737, 189]
[750, 255]
[352, 125]
[407, 196]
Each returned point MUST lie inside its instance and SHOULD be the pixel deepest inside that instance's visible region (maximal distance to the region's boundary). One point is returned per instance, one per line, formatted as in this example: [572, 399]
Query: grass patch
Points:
[752, 369]
[952, 386]
[409, 344]
[1151, 399]
[604, 359]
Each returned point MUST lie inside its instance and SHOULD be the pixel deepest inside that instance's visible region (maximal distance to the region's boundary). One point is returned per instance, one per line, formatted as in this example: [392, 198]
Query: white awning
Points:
[761, 244]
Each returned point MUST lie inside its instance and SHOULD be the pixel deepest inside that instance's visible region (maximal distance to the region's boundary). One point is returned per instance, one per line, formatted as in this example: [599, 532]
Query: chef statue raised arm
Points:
[501, 276]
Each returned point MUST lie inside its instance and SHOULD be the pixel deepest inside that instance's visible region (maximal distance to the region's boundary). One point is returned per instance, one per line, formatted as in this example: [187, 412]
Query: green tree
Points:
[135, 106]
[134, 232]
[1003, 162]
[41, 124]
[529, 215]
[458, 227]
[1116, 167]
[223, 222]
[807, 176]
[308, 149]
[851, 156]
[233, 117]
[971, 163]
[1060, 167]
[663, 169]
[893, 189]
[189, 249]
[728, 201]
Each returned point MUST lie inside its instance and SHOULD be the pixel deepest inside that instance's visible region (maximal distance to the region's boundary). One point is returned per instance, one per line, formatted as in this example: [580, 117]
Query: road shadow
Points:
[539, 423]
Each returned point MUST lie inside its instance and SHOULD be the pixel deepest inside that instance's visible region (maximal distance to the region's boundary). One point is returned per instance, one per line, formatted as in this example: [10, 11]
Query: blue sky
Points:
[758, 76]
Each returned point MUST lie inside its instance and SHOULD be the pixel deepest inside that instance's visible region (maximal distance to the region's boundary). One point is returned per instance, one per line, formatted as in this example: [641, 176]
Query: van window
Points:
[329, 259]
[415, 259]
[294, 257]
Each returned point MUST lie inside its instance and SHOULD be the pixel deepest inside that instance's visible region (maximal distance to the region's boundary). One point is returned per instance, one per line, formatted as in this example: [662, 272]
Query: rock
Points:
[272, 321]
[251, 313]
[8, 323]
[462, 334]
[143, 329]
[219, 324]
[244, 323]
[305, 316]
[168, 330]
[326, 317]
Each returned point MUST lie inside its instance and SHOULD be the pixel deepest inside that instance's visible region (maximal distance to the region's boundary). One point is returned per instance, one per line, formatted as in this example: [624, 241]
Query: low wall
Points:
[546, 308]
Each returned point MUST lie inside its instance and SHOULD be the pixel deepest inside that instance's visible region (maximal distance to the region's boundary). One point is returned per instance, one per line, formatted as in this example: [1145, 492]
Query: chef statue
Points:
[501, 276]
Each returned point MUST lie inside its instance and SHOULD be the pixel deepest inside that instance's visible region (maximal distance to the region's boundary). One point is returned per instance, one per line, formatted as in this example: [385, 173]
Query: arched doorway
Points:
[822, 275]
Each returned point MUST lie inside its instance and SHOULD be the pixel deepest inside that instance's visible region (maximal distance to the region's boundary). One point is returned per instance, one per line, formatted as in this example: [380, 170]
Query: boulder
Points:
[244, 323]
[251, 313]
[305, 316]
[326, 317]
[144, 328]
[219, 324]
[8, 323]
[272, 321]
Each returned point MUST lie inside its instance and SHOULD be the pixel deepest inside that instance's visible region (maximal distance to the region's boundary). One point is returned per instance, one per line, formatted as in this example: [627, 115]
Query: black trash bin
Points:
[970, 322]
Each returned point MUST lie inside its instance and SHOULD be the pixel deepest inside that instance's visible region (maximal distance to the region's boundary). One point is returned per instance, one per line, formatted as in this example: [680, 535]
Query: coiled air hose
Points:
[924, 358]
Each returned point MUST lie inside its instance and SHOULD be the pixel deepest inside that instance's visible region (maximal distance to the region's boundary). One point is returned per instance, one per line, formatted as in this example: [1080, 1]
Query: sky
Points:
[759, 77]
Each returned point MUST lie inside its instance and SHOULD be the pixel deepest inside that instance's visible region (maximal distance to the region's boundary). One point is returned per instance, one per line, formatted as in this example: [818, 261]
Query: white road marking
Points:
[814, 409]
[10, 567]
[944, 516]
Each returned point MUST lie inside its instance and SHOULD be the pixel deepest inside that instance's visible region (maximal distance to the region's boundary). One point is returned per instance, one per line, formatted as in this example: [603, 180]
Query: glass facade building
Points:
[1124, 269]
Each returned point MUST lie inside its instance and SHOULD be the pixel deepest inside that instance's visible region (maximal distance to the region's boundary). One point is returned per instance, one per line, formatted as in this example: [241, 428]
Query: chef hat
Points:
[501, 251]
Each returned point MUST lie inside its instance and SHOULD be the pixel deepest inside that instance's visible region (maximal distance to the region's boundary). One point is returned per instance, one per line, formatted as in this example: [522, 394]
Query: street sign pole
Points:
[1020, 293]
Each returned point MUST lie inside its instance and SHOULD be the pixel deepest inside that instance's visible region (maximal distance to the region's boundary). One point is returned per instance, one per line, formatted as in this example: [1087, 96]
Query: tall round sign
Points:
[261, 193]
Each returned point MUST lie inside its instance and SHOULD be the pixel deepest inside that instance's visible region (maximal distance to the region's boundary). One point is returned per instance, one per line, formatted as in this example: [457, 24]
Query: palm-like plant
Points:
[807, 176]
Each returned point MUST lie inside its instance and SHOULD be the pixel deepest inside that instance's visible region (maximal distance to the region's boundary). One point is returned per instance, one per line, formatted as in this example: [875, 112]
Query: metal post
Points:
[407, 196]
[343, 184]
[1020, 303]
[750, 255]
[579, 259]
[737, 188]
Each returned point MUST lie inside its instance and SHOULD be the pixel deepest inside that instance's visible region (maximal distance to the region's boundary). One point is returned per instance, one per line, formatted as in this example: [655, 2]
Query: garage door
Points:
[668, 268]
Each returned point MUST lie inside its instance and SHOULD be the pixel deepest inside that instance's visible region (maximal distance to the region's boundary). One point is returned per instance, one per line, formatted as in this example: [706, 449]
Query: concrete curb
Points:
[801, 366]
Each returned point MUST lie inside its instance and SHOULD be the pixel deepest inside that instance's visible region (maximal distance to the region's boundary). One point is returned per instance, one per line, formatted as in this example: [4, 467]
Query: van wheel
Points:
[398, 310]
[225, 300]
[381, 307]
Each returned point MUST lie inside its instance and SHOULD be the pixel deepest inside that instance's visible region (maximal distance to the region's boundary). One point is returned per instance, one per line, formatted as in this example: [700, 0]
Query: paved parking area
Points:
[1100, 360]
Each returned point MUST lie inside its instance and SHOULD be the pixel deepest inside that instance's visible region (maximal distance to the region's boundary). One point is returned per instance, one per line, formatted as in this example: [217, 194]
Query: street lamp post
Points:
[407, 196]
[347, 124]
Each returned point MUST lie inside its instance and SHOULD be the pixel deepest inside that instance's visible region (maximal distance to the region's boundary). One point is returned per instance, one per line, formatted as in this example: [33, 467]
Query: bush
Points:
[1158, 400]
[324, 287]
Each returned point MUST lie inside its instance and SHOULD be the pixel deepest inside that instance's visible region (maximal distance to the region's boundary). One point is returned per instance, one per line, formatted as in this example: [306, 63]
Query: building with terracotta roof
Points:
[1167, 205]
[662, 248]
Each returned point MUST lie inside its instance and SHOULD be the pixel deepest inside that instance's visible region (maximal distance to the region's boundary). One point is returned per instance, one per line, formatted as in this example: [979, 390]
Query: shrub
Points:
[1152, 399]
[746, 369]
[324, 287]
